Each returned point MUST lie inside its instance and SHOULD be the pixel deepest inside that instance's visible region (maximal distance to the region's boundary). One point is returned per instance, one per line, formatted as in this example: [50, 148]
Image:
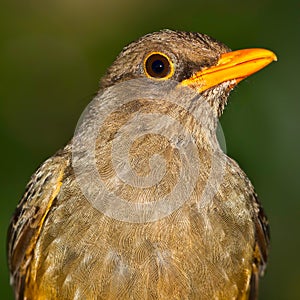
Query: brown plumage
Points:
[60, 246]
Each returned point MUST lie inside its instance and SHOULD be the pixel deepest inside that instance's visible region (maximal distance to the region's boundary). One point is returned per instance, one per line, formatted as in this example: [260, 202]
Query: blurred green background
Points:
[52, 54]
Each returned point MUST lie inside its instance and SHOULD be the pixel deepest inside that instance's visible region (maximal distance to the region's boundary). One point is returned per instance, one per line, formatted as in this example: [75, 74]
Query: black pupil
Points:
[158, 66]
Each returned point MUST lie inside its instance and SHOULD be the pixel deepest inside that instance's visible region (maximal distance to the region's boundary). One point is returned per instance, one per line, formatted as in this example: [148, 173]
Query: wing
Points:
[260, 255]
[29, 217]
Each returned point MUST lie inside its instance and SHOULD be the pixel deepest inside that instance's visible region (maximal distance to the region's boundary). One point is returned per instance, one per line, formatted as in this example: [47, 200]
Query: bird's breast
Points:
[194, 251]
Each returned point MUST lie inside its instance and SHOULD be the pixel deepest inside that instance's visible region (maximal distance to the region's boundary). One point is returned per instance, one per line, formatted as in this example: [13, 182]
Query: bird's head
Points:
[192, 59]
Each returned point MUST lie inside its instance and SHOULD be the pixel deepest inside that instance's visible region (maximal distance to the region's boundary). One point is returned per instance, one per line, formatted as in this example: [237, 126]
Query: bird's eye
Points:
[158, 65]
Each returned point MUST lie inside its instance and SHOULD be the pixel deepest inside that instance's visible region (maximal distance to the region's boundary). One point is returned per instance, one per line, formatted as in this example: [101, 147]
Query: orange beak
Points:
[232, 66]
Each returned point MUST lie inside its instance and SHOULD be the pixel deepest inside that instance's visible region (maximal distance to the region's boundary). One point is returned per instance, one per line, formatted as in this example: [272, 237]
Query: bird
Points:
[204, 238]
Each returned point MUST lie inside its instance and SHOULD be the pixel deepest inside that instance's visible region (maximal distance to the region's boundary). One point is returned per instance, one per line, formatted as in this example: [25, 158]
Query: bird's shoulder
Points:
[27, 221]
[262, 232]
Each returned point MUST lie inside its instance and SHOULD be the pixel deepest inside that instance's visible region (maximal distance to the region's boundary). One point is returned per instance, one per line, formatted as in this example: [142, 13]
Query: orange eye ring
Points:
[158, 65]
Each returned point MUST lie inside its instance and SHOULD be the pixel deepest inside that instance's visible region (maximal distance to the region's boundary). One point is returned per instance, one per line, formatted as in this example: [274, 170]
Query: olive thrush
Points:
[84, 230]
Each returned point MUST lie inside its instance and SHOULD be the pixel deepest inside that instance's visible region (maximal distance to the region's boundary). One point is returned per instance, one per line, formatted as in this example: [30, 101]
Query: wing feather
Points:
[29, 217]
[261, 248]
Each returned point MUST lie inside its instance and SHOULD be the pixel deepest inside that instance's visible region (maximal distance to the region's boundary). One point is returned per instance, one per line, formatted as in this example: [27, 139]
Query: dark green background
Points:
[52, 54]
